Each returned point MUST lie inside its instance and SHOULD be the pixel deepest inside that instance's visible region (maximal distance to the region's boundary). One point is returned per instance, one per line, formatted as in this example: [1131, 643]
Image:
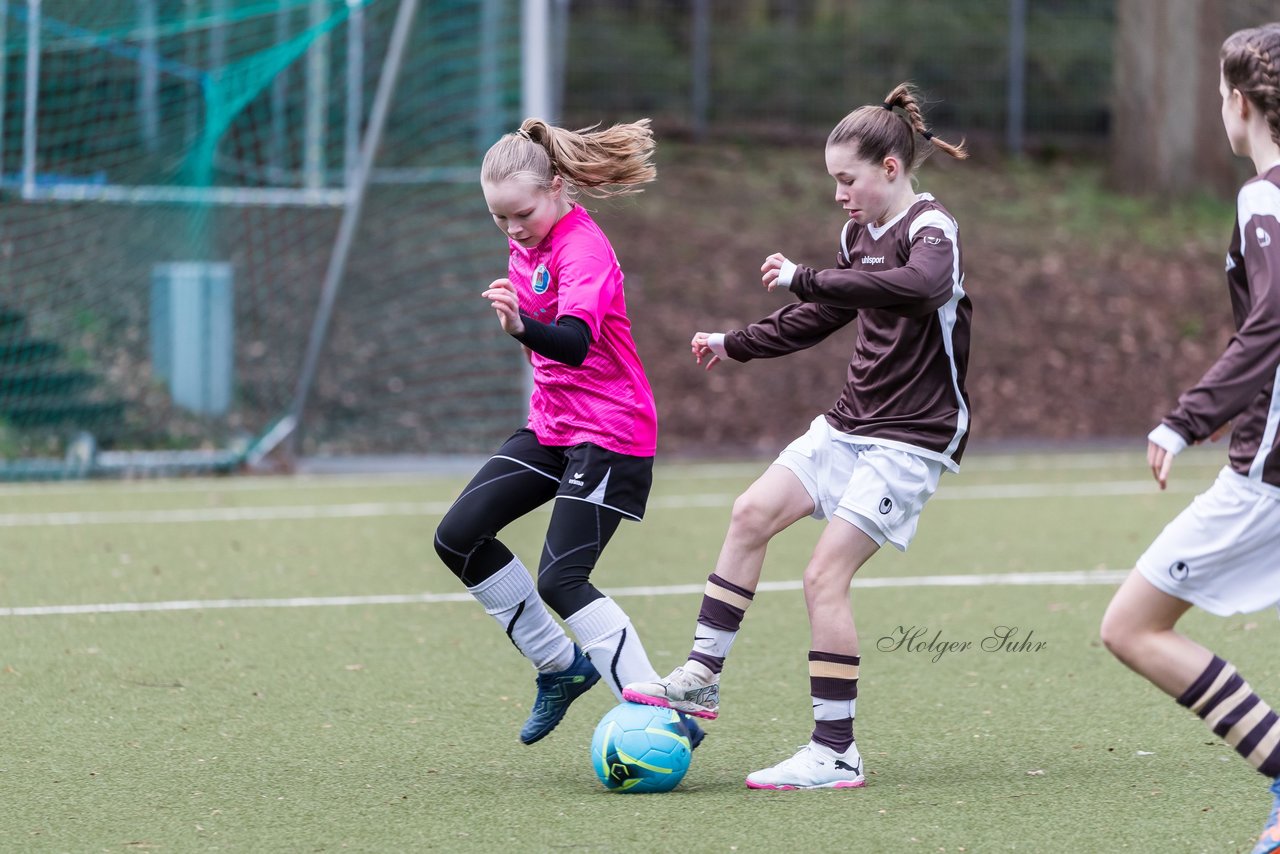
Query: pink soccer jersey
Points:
[607, 400]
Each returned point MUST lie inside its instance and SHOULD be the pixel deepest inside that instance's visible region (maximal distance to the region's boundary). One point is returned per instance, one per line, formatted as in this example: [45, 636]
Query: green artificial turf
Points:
[237, 724]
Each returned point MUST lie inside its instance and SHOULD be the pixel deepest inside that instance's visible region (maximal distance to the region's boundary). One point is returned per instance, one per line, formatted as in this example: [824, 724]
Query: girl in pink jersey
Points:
[1220, 553]
[868, 465]
[592, 429]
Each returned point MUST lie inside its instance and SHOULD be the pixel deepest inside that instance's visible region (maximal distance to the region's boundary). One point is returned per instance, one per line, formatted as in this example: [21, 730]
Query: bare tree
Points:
[1166, 131]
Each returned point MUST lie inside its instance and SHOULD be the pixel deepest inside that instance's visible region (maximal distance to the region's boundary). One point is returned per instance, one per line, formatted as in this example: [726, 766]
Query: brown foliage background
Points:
[1092, 312]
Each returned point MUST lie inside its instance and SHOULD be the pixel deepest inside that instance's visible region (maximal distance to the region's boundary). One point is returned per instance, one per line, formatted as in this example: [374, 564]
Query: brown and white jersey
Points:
[1242, 385]
[903, 282]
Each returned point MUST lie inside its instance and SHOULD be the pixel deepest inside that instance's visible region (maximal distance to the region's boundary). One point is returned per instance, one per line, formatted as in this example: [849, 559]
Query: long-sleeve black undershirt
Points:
[567, 340]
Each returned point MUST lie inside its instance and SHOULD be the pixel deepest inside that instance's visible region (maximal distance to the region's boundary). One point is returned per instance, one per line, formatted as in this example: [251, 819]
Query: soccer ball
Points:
[640, 749]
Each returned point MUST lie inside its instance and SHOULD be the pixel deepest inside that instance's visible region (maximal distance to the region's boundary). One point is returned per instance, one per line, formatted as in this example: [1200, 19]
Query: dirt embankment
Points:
[1091, 312]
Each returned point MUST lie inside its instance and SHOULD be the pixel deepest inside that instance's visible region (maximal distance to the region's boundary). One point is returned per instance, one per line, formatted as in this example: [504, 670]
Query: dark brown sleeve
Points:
[791, 328]
[922, 285]
[1252, 354]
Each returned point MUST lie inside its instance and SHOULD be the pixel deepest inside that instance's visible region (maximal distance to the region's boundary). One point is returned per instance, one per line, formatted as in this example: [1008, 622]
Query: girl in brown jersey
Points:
[1220, 553]
[868, 465]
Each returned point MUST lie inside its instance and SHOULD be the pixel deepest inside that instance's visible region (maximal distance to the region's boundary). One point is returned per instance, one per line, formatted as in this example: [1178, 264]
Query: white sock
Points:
[833, 710]
[713, 642]
[510, 598]
[607, 637]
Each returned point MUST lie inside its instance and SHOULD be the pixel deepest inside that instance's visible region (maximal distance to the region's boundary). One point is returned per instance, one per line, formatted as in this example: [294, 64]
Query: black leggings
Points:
[503, 491]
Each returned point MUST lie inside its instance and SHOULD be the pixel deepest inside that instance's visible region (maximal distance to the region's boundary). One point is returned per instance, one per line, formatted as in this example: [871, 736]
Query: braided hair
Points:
[1251, 65]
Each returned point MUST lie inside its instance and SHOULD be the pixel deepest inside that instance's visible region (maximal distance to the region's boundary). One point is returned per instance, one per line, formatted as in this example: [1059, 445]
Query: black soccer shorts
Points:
[586, 472]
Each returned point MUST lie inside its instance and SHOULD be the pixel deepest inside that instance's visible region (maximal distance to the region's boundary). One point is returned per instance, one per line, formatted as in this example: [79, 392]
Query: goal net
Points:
[175, 176]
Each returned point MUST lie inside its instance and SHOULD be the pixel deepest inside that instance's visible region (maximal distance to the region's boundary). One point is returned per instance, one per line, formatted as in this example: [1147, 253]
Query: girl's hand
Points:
[1161, 461]
[769, 270]
[702, 350]
[502, 296]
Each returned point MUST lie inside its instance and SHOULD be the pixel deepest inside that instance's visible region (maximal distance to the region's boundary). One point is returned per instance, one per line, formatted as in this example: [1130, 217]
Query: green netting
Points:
[172, 181]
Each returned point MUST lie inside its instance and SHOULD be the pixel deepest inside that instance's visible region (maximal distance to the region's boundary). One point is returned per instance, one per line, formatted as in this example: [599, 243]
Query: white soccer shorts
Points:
[1222, 553]
[881, 490]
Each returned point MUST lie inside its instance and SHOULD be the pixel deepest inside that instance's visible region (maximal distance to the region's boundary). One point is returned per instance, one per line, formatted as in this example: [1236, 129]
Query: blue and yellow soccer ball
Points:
[640, 749]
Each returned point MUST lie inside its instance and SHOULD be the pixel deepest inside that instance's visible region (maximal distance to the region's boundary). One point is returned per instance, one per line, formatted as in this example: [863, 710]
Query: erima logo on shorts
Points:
[885, 506]
[576, 480]
[540, 280]
[1179, 571]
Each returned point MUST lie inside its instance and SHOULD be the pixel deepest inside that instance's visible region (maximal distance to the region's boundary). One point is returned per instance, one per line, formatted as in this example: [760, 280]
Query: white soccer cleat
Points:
[693, 690]
[815, 766]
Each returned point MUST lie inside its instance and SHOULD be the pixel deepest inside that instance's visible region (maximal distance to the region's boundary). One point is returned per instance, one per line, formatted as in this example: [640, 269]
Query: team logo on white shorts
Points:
[1179, 571]
[886, 504]
[540, 280]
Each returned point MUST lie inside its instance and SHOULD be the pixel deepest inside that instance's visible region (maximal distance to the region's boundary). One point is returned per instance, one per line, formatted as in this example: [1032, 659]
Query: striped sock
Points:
[833, 682]
[1227, 704]
[723, 607]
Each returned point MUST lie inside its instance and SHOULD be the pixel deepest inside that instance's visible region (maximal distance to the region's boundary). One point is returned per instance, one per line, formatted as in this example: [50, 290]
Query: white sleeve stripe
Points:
[934, 218]
[948, 314]
[1260, 199]
[1269, 432]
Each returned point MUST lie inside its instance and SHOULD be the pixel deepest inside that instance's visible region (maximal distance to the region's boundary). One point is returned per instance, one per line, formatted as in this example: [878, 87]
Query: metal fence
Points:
[1020, 70]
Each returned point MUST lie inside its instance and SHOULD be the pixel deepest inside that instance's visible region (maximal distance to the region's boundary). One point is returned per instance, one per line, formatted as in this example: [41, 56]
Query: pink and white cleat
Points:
[692, 689]
[815, 766]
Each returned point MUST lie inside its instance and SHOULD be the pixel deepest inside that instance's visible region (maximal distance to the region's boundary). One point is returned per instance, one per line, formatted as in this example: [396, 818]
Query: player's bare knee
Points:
[752, 520]
[1121, 638]
[820, 581]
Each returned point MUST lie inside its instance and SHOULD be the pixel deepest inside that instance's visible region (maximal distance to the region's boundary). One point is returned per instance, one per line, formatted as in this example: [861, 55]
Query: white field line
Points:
[1084, 577]
[438, 508]
[206, 485]
[1027, 463]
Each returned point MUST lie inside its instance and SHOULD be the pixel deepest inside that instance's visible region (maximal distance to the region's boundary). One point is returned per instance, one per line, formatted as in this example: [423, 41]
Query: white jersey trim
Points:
[878, 231]
[716, 342]
[844, 240]
[1269, 434]
[1260, 199]
[947, 314]
[1168, 438]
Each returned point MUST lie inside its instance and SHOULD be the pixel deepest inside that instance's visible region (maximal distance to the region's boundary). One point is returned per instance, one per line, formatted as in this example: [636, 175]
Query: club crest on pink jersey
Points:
[540, 280]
